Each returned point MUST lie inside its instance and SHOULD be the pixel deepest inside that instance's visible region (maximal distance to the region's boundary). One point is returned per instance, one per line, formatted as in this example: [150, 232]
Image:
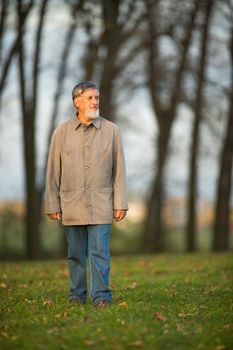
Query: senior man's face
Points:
[88, 104]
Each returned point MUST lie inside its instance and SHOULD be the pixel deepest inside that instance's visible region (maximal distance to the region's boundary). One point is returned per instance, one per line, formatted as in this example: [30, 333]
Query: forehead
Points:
[90, 92]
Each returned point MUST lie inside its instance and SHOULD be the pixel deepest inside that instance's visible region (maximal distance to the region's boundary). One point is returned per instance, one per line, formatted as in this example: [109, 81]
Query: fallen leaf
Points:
[86, 319]
[133, 285]
[3, 285]
[5, 335]
[138, 343]
[53, 330]
[123, 304]
[29, 301]
[65, 273]
[160, 316]
[48, 302]
[62, 315]
[89, 342]
[226, 326]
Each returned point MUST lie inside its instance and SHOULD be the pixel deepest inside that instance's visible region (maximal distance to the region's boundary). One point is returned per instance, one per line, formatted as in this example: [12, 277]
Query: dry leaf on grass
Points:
[62, 315]
[160, 316]
[89, 342]
[123, 304]
[48, 302]
[138, 343]
[86, 319]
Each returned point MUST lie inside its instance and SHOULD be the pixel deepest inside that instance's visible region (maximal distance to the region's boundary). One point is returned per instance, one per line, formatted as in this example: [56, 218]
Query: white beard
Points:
[93, 115]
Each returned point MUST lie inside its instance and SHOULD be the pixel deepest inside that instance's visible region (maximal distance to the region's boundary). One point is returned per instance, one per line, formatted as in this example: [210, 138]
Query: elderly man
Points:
[86, 189]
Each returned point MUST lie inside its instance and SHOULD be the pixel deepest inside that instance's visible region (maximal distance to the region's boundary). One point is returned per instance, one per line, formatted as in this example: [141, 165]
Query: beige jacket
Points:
[86, 176]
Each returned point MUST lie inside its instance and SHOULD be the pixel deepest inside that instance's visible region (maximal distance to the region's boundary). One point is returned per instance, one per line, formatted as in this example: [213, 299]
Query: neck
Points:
[83, 118]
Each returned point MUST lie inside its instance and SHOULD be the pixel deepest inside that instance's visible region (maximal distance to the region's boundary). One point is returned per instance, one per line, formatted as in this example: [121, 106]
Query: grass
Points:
[160, 302]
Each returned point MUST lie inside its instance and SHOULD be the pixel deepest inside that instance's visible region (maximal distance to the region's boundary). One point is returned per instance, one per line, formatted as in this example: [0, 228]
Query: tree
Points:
[24, 12]
[165, 110]
[224, 183]
[28, 100]
[198, 107]
[114, 36]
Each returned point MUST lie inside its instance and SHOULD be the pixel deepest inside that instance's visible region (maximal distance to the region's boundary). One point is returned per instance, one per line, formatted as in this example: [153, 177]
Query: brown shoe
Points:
[103, 303]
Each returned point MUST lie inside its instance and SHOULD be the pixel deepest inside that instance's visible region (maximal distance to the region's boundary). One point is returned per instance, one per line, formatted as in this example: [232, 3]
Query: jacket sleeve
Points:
[52, 196]
[120, 197]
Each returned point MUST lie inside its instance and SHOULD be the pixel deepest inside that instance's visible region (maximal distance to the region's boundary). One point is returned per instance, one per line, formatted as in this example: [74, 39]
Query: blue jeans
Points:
[89, 241]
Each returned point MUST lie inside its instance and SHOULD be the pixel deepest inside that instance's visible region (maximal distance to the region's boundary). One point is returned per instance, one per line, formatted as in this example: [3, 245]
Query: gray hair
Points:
[80, 88]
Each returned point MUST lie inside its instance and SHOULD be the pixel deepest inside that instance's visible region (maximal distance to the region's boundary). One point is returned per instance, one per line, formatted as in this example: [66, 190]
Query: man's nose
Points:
[94, 101]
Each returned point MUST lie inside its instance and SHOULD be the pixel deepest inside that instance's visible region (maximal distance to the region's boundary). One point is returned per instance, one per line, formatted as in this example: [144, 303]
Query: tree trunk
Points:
[3, 17]
[191, 226]
[111, 42]
[153, 239]
[222, 207]
[153, 235]
[28, 105]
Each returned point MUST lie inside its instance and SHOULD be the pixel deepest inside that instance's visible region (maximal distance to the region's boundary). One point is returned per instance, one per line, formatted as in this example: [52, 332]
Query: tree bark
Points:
[28, 105]
[222, 208]
[191, 225]
[153, 237]
[3, 16]
[111, 42]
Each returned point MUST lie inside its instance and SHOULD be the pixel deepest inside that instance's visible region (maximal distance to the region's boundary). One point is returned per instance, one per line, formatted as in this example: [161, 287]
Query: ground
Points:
[159, 302]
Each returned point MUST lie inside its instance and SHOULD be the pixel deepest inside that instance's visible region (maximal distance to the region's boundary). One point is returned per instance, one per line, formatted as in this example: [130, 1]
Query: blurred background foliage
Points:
[165, 72]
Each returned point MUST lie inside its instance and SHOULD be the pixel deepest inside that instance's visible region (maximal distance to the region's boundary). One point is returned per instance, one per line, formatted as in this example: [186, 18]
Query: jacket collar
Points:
[77, 122]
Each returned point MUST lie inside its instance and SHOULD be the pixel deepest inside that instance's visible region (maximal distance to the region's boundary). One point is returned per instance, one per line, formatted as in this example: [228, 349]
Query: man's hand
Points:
[119, 214]
[55, 216]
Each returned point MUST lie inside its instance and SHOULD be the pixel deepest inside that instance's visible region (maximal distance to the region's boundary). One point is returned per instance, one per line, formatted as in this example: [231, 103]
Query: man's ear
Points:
[76, 102]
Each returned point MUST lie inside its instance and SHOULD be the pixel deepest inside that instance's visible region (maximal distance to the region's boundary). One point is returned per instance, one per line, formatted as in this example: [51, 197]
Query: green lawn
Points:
[160, 302]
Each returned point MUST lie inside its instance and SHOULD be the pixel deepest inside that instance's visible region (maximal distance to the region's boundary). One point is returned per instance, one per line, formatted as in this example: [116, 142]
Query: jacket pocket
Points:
[103, 201]
[71, 170]
[71, 204]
